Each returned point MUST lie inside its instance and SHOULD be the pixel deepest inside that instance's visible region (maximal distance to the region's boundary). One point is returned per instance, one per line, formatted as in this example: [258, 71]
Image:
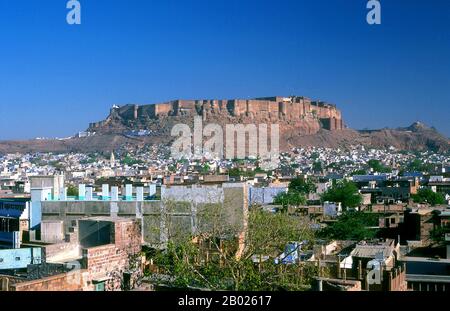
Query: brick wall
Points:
[396, 279]
[102, 261]
[128, 236]
[61, 282]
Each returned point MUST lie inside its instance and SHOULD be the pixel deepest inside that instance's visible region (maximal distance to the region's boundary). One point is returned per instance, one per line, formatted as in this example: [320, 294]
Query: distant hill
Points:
[401, 138]
[415, 137]
[302, 123]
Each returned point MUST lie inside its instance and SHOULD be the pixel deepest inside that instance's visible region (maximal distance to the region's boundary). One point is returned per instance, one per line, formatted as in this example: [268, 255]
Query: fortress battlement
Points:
[265, 109]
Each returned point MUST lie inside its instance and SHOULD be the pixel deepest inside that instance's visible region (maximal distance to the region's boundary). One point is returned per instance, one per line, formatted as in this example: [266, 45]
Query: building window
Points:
[17, 258]
[100, 287]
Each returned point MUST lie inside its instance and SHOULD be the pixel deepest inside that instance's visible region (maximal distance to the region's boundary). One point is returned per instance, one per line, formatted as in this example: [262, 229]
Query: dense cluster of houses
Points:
[78, 222]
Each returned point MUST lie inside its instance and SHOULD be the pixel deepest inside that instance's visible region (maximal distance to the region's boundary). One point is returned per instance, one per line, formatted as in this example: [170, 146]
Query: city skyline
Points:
[232, 149]
[57, 78]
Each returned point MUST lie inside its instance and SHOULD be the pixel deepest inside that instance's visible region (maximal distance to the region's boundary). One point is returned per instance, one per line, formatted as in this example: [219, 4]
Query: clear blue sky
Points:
[56, 78]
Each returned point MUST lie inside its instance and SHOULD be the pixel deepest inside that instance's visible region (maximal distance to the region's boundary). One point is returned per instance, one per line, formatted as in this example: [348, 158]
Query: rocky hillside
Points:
[302, 123]
[414, 137]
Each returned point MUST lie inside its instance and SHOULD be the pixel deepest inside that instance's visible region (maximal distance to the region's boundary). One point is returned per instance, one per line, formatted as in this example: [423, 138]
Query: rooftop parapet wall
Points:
[180, 208]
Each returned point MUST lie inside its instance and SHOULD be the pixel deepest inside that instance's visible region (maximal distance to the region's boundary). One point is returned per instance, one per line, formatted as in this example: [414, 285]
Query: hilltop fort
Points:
[302, 122]
[300, 113]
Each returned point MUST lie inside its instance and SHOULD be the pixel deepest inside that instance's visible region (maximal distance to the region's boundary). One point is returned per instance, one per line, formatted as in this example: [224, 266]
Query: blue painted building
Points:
[14, 217]
[20, 258]
[264, 195]
[369, 178]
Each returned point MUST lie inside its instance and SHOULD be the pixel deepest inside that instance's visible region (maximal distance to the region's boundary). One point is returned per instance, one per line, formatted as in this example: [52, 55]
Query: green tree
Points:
[128, 160]
[419, 166]
[299, 185]
[266, 236]
[206, 168]
[234, 172]
[378, 167]
[290, 198]
[438, 234]
[317, 166]
[344, 192]
[358, 172]
[72, 191]
[315, 156]
[352, 226]
[428, 196]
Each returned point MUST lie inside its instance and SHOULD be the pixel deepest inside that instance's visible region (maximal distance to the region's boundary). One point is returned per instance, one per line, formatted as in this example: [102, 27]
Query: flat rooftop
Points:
[108, 219]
